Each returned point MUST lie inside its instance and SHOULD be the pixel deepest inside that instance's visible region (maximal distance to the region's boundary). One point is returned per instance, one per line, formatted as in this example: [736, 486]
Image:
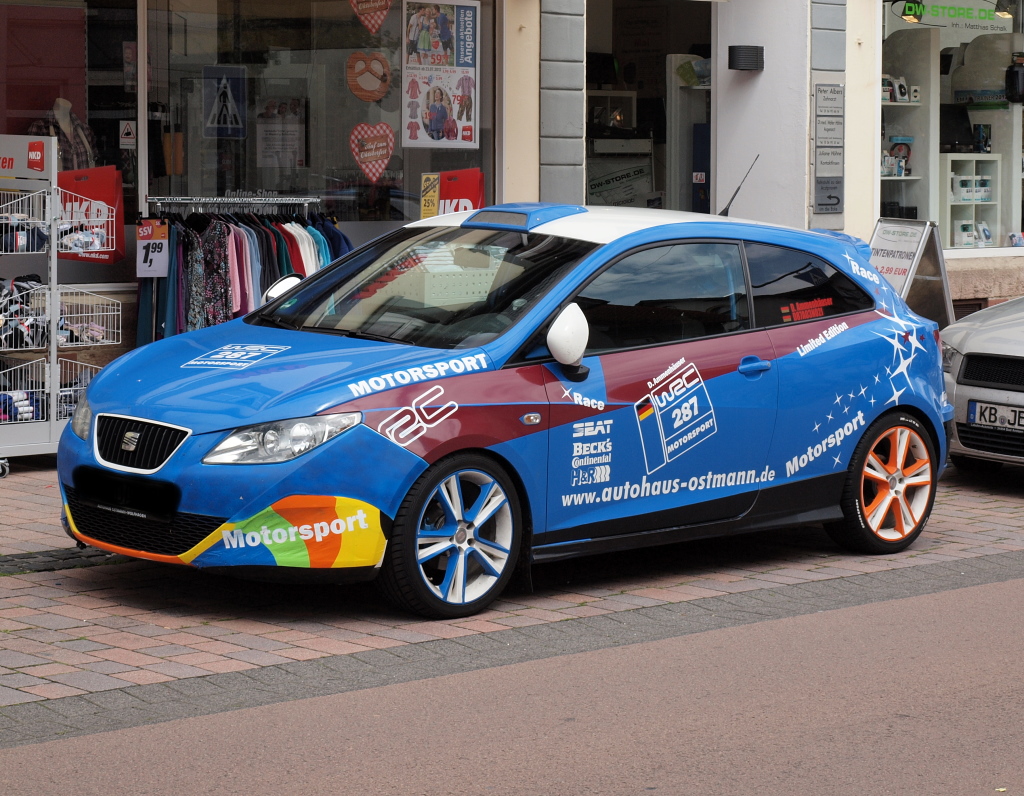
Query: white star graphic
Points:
[829, 416]
[836, 460]
[816, 427]
[877, 380]
[862, 391]
[567, 393]
[895, 399]
[902, 369]
[838, 398]
[846, 410]
[915, 344]
[894, 340]
[872, 400]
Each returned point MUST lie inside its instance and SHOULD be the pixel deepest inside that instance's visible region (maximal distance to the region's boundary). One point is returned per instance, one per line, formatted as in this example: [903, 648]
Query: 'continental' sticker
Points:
[309, 531]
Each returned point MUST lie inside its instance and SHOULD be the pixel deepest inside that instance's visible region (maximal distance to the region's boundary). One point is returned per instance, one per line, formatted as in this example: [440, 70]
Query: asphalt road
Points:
[894, 695]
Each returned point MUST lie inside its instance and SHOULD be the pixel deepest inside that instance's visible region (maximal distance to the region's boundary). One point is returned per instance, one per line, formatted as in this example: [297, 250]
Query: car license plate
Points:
[995, 415]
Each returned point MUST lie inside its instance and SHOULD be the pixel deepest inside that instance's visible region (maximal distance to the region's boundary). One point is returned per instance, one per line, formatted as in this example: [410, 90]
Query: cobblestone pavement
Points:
[90, 623]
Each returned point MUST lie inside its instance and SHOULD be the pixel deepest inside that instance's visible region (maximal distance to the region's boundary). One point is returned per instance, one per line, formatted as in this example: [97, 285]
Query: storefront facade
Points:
[646, 102]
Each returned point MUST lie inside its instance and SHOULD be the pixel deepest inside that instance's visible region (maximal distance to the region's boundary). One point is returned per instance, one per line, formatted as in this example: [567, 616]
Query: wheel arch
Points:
[921, 417]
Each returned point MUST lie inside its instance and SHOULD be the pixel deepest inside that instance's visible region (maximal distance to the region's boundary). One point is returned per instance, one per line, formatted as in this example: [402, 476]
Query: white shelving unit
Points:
[38, 388]
[913, 54]
[970, 166]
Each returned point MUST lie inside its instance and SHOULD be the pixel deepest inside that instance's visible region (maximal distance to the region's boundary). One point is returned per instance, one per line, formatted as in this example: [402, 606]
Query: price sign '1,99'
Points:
[152, 254]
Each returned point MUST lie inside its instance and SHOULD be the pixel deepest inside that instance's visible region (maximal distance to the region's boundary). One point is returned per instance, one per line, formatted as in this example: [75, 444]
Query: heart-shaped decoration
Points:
[368, 76]
[371, 12]
[372, 147]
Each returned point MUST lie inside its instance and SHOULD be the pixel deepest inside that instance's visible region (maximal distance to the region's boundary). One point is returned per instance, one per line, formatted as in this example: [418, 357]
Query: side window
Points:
[790, 286]
[665, 295]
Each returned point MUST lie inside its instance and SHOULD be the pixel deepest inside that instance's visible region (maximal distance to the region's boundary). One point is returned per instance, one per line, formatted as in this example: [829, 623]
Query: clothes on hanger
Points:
[220, 265]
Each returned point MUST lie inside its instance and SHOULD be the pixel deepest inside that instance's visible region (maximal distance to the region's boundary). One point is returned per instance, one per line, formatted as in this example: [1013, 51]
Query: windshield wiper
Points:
[356, 334]
[279, 322]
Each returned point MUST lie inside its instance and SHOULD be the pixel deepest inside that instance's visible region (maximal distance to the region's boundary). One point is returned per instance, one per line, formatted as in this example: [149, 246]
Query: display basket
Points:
[74, 378]
[23, 317]
[88, 319]
[85, 225]
[22, 224]
[22, 391]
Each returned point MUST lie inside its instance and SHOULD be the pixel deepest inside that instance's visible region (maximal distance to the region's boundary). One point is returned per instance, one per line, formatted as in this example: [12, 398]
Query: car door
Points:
[673, 421]
[833, 362]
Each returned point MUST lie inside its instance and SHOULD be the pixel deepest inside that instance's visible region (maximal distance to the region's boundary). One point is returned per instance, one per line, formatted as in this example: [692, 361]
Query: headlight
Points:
[948, 354]
[281, 441]
[81, 420]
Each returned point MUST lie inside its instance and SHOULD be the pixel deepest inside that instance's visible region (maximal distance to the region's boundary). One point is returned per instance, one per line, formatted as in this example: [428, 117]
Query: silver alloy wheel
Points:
[464, 536]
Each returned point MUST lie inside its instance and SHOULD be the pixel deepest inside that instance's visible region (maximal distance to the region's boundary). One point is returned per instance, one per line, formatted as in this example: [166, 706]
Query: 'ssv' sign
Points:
[410, 423]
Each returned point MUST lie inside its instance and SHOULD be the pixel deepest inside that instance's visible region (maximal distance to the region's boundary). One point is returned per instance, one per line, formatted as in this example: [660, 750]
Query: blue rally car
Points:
[479, 391]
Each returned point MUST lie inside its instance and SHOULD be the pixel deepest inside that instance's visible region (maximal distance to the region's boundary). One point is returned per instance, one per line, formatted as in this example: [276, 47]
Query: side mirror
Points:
[281, 286]
[567, 341]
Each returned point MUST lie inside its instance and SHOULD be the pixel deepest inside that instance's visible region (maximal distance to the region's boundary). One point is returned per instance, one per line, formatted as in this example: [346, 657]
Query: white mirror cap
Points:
[569, 335]
[281, 286]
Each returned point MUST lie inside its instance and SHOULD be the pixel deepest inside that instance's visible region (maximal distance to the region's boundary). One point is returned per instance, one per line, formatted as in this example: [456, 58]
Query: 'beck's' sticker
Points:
[235, 356]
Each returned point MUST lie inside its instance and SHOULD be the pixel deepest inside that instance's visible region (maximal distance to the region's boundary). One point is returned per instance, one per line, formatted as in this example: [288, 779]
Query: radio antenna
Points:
[725, 211]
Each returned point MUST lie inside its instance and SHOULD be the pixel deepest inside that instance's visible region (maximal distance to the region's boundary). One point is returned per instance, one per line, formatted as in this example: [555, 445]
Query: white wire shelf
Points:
[23, 317]
[87, 319]
[83, 224]
[23, 397]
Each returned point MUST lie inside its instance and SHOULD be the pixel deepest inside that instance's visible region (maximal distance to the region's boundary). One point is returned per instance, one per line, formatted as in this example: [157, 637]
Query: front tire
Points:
[455, 539]
[890, 488]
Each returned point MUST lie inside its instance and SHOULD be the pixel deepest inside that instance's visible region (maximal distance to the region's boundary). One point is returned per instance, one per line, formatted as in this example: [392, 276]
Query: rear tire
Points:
[455, 539]
[890, 487]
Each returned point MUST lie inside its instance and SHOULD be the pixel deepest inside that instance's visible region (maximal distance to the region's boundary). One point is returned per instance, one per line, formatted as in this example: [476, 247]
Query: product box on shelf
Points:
[963, 234]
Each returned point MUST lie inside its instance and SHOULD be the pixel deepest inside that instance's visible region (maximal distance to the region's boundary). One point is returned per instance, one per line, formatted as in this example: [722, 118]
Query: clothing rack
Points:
[200, 203]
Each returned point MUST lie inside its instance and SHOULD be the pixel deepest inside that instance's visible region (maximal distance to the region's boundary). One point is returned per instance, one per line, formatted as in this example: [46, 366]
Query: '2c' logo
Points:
[410, 423]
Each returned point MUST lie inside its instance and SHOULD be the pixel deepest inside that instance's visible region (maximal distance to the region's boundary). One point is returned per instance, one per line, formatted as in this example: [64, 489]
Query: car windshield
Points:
[438, 287]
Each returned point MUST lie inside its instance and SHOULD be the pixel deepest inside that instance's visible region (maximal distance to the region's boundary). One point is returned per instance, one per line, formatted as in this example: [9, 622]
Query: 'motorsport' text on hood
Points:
[239, 374]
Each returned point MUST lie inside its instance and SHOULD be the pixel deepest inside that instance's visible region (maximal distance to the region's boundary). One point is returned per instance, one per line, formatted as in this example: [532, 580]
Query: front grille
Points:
[983, 370]
[172, 538]
[151, 443]
[991, 440]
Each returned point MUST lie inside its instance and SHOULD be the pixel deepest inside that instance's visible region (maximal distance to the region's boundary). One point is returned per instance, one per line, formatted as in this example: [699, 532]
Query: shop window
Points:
[790, 286]
[68, 70]
[666, 294]
[947, 72]
[351, 102]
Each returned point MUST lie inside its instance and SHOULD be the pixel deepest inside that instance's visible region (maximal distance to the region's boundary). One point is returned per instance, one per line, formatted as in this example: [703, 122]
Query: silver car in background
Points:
[983, 360]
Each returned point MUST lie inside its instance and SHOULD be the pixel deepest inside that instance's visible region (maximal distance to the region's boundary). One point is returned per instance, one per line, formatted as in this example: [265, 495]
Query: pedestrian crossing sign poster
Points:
[224, 101]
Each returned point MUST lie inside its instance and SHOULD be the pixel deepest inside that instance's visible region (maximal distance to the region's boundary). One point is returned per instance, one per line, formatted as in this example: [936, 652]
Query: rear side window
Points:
[790, 286]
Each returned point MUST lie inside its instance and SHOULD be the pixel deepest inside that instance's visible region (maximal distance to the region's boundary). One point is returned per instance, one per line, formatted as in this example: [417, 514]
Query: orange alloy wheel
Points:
[896, 483]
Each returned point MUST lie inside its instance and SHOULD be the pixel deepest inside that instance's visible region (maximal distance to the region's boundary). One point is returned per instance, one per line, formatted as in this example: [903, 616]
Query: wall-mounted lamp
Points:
[1004, 8]
[746, 57]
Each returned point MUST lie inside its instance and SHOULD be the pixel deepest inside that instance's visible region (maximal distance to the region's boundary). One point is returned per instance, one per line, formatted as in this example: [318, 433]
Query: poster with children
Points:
[439, 75]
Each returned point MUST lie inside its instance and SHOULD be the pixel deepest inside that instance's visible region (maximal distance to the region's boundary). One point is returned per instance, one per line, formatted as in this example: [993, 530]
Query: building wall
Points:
[563, 46]
[762, 113]
[863, 115]
[518, 103]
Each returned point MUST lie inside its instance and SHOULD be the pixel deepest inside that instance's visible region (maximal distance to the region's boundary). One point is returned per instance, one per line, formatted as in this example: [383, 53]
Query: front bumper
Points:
[980, 442]
[317, 512]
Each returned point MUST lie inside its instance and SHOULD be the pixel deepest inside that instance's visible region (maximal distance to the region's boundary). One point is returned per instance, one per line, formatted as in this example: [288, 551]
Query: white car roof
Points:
[599, 224]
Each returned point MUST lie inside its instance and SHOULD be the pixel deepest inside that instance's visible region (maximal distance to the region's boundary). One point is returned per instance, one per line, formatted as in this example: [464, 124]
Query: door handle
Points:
[753, 364]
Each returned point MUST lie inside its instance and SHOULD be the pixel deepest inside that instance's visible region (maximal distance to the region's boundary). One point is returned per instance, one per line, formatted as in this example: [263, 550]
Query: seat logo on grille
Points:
[130, 441]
